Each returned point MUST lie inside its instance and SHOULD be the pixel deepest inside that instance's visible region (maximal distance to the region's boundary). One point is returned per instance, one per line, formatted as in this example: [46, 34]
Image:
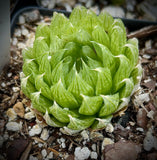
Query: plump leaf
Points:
[43, 30]
[62, 114]
[40, 102]
[80, 123]
[63, 97]
[126, 90]
[123, 72]
[99, 35]
[51, 121]
[41, 85]
[101, 123]
[104, 81]
[90, 105]
[110, 105]
[27, 53]
[78, 86]
[30, 67]
[117, 40]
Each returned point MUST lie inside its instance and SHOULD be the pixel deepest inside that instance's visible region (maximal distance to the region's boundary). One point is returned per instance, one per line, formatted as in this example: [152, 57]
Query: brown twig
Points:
[144, 32]
[26, 152]
[54, 151]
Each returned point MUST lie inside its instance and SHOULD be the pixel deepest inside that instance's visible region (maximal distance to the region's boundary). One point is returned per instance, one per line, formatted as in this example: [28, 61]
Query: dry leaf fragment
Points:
[19, 109]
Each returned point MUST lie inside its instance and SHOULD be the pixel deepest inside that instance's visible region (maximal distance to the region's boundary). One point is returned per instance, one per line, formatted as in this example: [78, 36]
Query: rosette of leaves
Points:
[81, 69]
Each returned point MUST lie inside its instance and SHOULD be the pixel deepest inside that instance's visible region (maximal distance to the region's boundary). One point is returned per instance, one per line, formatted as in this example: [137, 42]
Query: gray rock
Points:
[32, 16]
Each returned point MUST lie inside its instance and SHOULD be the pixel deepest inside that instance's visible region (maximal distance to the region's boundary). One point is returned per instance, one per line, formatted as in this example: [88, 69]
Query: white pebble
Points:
[44, 134]
[81, 154]
[36, 129]
[15, 89]
[150, 114]
[32, 158]
[17, 33]
[106, 142]
[85, 135]
[148, 44]
[3, 84]
[29, 115]
[21, 19]
[140, 129]
[63, 145]
[44, 153]
[62, 139]
[14, 126]
[155, 63]
[146, 56]
[142, 98]
[109, 128]
[40, 145]
[25, 32]
[9, 75]
[50, 155]
[21, 45]
[93, 155]
[94, 147]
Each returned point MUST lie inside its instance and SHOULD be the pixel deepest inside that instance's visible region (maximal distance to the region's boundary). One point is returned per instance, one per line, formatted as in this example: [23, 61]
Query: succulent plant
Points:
[81, 70]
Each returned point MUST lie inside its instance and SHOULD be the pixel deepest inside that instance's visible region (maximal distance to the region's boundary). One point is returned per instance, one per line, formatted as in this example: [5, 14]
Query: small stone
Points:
[140, 129]
[40, 145]
[44, 134]
[140, 99]
[155, 63]
[146, 56]
[85, 135]
[9, 75]
[44, 153]
[14, 126]
[21, 19]
[63, 145]
[11, 114]
[51, 4]
[19, 109]
[29, 115]
[96, 136]
[32, 16]
[81, 154]
[15, 41]
[32, 158]
[109, 128]
[16, 89]
[130, 15]
[21, 45]
[150, 114]
[17, 33]
[148, 44]
[89, 3]
[94, 147]
[106, 142]
[36, 129]
[3, 84]
[150, 141]
[45, 3]
[93, 155]
[25, 32]
[115, 11]
[50, 155]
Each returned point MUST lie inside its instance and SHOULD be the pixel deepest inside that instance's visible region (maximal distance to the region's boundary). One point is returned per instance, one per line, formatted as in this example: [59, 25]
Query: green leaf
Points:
[89, 75]
[41, 85]
[79, 86]
[101, 123]
[110, 104]
[117, 40]
[87, 51]
[51, 121]
[126, 90]
[40, 47]
[27, 53]
[30, 67]
[40, 102]
[61, 114]
[100, 36]
[123, 72]
[45, 68]
[63, 97]
[80, 123]
[106, 20]
[93, 63]
[104, 81]
[104, 55]
[90, 105]
[43, 30]
[136, 74]
[26, 86]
